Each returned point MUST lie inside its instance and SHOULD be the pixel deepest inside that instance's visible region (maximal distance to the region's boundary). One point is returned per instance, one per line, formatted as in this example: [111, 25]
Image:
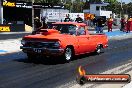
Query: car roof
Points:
[73, 23]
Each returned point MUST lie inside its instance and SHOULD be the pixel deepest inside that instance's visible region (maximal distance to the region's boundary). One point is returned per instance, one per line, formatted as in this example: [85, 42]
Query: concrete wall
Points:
[53, 15]
[12, 27]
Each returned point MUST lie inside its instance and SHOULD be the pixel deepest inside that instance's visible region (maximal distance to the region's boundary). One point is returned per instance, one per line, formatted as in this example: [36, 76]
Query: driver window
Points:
[54, 27]
[64, 29]
[57, 27]
[81, 31]
[72, 29]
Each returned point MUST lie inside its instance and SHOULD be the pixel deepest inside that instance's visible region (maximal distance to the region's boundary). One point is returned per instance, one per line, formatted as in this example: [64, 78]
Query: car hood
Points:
[47, 35]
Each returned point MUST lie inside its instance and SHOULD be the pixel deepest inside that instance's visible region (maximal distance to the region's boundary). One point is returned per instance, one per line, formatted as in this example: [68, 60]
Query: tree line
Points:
[78, 6]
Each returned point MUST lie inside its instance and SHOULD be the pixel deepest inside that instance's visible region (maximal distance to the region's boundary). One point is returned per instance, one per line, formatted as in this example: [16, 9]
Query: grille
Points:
[39, 44]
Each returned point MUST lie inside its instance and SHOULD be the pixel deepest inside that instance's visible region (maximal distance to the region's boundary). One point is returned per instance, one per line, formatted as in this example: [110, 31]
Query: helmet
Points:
[36, 18]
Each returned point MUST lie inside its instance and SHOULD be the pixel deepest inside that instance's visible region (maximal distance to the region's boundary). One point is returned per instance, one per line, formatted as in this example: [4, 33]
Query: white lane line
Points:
[118, 70]
[10, 45]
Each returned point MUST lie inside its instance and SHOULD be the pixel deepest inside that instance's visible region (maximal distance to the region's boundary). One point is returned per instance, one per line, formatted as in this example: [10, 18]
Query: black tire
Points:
[31, 57]
[99, 49]
[82, 80]
[68, 54]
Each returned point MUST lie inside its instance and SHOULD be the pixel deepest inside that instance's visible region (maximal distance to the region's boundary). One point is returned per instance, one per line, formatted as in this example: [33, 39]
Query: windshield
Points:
[64, 28]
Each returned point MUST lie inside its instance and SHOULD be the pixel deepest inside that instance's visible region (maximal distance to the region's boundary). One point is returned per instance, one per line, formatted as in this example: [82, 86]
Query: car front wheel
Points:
[68, 54]
[31, 57]
[99, 49]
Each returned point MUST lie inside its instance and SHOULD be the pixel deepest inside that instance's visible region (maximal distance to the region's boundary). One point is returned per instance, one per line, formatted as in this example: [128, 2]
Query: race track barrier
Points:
[12, 27]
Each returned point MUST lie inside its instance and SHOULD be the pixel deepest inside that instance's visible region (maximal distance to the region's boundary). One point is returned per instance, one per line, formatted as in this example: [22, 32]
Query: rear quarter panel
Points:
[99, 39]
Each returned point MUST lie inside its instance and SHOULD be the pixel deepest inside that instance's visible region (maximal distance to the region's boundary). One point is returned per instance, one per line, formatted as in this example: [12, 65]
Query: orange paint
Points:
[81, 43]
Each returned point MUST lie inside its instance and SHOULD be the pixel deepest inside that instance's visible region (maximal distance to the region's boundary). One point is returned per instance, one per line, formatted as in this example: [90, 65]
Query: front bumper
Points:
[46, 51]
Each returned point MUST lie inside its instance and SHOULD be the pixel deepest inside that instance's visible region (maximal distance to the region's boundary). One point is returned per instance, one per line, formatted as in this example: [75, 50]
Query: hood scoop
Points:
[48, 31]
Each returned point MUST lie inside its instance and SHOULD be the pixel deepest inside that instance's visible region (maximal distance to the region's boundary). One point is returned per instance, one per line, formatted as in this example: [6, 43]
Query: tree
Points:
[110, 1]
[48, 1]
[77, 6]
[95, 1]
[114, 6]
[74, 5]
[86, 5]
[129, 8]
[68, 5]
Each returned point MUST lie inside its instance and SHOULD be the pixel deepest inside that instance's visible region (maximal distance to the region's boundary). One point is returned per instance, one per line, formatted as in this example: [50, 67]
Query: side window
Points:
[81, 31]
[64, 29]
[55, 26]
[72, 29]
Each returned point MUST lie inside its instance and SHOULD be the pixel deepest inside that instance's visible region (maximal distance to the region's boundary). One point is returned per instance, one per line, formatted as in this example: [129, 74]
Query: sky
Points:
[126, 1]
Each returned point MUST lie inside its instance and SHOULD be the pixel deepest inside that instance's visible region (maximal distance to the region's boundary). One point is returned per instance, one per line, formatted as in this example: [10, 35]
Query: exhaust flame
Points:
[81, 71]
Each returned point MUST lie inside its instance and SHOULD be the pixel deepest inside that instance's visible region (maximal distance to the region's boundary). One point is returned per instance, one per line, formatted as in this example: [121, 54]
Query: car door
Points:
[83, 40]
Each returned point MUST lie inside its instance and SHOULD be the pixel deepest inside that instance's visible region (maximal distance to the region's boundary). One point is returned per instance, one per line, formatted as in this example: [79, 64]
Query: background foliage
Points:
[78, 5]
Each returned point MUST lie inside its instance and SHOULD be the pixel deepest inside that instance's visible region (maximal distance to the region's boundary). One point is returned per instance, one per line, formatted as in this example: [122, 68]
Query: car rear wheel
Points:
[99, 49]
[68, 54]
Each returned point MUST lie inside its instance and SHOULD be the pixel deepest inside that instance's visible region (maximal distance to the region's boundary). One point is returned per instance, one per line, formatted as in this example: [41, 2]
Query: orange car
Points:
[65, 39]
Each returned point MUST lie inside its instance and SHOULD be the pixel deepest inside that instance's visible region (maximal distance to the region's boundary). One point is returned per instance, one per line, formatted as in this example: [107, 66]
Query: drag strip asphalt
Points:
[17, 72]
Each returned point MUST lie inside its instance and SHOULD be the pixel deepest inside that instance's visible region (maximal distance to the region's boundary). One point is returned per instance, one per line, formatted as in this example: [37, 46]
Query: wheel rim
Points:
[98, 50]
[68, 54]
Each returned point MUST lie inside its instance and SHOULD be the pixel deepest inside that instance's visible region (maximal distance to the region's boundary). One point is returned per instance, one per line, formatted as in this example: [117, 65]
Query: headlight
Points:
[51, 44]
[23, 42]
